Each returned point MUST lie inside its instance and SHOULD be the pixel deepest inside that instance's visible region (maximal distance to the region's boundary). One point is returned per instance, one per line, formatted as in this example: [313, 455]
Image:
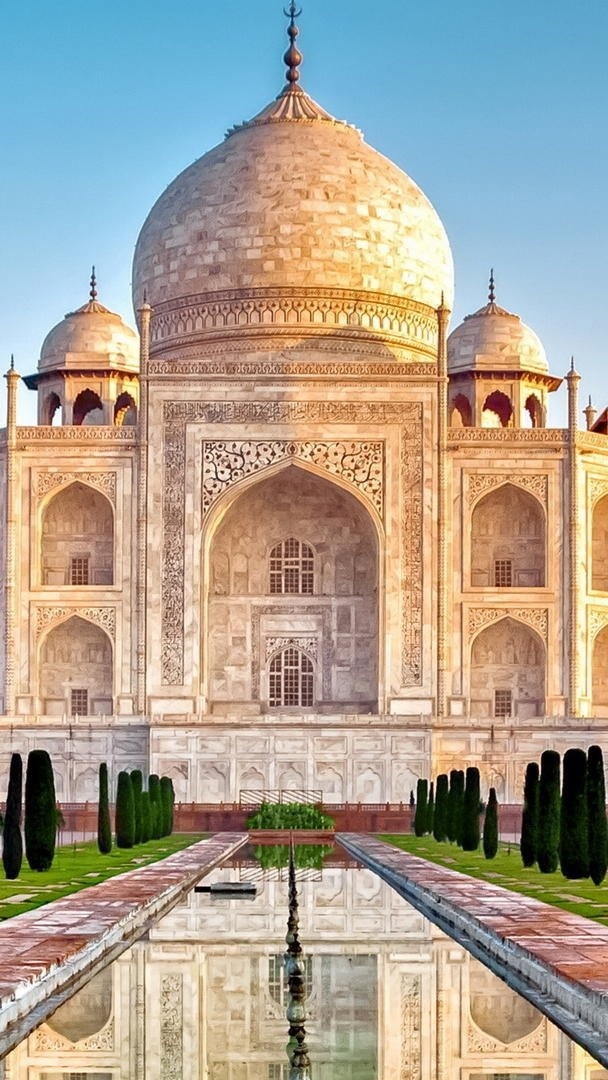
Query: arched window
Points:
[292, 568]
[125, 411]
[88, 409]
[497, 410]
[291, 679]
[461, 414]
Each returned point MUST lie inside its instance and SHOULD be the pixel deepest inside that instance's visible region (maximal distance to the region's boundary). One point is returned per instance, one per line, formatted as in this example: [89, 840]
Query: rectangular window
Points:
[79, 701]
[503, 703]
[79, 570]
[503, 573]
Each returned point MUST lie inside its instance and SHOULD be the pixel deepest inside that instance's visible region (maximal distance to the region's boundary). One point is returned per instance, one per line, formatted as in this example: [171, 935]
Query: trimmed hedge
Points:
[167, 798]
[574, 829]
[156, 810]
[420, 816]
[137, 782]
[125, 812]
[104, 826]
[548, 812]
[441, 808]
[470, 810]
[12, 841]
[528, 842]
[490, 826]
[40, 811]
[146, 817]
[596, 815]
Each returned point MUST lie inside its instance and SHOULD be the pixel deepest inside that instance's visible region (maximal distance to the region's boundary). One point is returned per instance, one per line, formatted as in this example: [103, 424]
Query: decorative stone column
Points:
[12, 545]
[145, 314]
[443, 316]
[573, 379]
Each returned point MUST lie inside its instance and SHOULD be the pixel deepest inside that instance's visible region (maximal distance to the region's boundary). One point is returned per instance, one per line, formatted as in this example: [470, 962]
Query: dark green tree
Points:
[167, 800]
[40, 811]
[137, 781]
[422, 788]
[548, 812]
[451, 820]
[574, 828]
[470, 810]
[156, 810]
[125, 812]
[430, 808]
[12, 842]
[441, 808]
[596, 815]
[528, 842]
[459, 806]
[146, 815]
[104, 825]
[490, 826]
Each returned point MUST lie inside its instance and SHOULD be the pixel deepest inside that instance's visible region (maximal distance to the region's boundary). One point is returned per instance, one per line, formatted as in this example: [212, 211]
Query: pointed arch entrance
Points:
[292, 598]
[75, 670]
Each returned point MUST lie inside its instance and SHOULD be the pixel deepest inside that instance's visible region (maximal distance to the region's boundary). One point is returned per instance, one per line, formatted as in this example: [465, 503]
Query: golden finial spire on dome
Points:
[293, 56]
[93, 285]
[492, 290]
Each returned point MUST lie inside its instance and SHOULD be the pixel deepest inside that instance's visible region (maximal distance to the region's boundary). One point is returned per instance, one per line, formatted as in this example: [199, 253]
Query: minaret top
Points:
[293, 56]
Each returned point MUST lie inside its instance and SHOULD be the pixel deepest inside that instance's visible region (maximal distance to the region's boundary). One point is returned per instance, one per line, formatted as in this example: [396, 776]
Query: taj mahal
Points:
[292, 532]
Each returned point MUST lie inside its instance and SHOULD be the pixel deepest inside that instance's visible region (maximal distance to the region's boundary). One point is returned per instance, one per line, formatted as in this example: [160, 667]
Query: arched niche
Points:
[599, 680]
[334, 620]
[75, 670]
[507, 672]
[461, 413]
[534, 409]
[77, 546]
[86, 1012]
[508, 540]
[88, 409]
[497, 410]
[599, 546]
[496, 1009]
[125, 411]
[51, 409]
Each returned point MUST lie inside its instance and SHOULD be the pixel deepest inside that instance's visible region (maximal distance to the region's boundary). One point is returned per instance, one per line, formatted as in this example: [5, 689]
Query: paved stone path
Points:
[46, 951]
[556, 959]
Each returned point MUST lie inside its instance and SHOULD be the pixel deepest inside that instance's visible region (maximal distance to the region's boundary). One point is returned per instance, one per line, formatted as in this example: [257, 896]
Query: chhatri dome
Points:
[292, 199]
[493, 336]
[90, 337]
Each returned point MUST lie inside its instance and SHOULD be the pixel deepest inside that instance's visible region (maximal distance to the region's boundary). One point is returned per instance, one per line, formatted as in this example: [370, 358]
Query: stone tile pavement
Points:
[50, 950]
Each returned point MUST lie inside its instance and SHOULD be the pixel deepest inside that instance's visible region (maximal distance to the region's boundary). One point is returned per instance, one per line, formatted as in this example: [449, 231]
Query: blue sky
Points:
[497, 110]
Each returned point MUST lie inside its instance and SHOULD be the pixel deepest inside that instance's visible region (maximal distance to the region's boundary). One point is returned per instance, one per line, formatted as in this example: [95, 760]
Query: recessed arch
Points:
[508, 662]
[88, 409]
[599, 673]
[497, 410]
[536, 413]
[243, 615]
[599, 545]
[77, 537]
[461, 414]
[508, 540]
[75, 669]
[125, 410]
[51, 409]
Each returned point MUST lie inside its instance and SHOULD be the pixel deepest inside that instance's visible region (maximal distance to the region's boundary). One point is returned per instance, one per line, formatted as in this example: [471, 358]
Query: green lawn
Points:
[581, 897]
[78, 866]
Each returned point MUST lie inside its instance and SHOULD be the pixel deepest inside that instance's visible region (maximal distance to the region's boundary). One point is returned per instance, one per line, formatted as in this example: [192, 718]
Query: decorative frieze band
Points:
[51, 479]
[46, 617]
[252, 312]
[481, 483]
[536, 618]
[285, 366]
[96, 433]
[225, 462]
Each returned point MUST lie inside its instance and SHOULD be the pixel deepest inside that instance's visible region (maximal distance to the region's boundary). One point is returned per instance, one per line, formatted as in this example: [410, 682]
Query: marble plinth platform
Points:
[47, 954]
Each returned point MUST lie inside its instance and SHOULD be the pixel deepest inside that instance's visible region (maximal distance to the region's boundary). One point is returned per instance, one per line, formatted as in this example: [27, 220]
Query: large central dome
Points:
[292, 202]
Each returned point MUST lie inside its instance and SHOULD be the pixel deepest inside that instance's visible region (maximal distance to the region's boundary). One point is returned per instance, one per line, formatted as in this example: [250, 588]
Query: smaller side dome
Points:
[495, 339]
[90, 337]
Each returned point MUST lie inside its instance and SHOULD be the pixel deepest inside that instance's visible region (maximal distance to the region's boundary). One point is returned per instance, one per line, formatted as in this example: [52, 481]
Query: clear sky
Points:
[498, 110]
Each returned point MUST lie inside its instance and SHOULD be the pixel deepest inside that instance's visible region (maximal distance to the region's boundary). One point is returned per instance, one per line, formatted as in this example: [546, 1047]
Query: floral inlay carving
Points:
[309, 645]
[537, 618]
[171, 1027]
[598, 619]
[45, 1040]
[598, 487]
[410, 1028]
[177, 414]
[479, 1042]
[227, 461]
[481, 483]
[103, 481]
[105, 617]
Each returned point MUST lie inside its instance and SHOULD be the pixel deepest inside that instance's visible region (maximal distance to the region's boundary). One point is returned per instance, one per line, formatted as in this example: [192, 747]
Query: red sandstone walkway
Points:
[561, 956]
[43, 951]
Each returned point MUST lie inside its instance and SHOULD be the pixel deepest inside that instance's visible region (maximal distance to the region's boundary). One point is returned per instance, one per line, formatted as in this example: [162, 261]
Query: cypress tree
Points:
[430, 808]
[441, 808]
[125, 814]
[459, 806]
[528, 842]
[470, 810]
[574, 829]
[12, 842]
[490, 826]
[137, 782]
[156, 812]
[104, 826]
[548, 812]
[166, 791]
[596, 813]
[420, 815]
[40, 811]
[145, 817]
[451, 821]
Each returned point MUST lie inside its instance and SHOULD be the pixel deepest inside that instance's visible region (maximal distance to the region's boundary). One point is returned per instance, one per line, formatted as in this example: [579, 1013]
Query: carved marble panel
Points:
[103, 481]
[171, 1027]
[480, 483]
[537, 618]
[411, 1046]
[45, 617]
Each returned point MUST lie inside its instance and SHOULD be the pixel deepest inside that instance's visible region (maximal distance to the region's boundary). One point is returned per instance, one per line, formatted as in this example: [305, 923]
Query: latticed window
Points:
[503, 703]
[79, 701]
[503, 573]
[292, 567]
[291, 678]
[79, 570]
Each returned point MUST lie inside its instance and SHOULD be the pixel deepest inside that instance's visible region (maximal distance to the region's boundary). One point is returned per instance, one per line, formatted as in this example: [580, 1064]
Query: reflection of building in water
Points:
[390, 998]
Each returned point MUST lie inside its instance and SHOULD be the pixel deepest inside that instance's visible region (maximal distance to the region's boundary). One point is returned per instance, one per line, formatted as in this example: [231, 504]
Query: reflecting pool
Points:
[389, 997]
